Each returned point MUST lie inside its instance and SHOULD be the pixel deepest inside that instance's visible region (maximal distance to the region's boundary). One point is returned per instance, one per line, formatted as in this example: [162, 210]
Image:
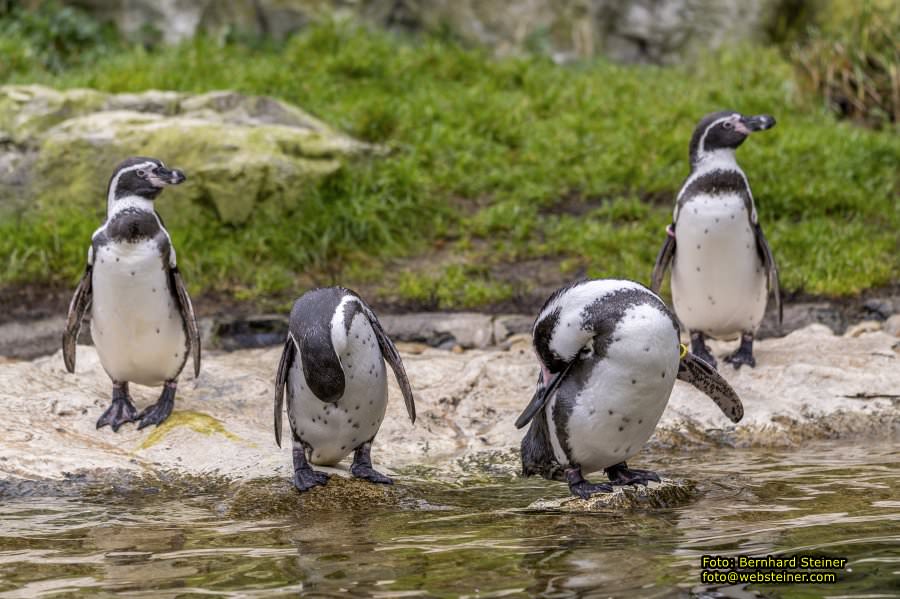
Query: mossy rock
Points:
[277, 497]
[666, 494]
[239, 152]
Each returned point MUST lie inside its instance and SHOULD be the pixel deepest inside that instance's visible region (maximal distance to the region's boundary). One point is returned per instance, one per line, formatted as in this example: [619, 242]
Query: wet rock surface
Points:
[810, 384]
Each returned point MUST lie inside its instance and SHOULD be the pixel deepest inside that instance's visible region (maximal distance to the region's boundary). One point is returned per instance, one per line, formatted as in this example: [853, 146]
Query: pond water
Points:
[469, 537]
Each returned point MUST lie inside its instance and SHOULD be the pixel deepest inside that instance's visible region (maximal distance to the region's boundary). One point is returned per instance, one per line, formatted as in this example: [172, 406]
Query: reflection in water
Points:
[472, 537]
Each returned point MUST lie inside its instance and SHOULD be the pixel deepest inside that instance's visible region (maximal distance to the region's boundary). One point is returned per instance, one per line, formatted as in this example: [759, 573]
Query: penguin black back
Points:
[310, 326]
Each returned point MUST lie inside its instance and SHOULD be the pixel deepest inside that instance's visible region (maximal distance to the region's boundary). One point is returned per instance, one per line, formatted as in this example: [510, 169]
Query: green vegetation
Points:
[852, 58]
[504, 174]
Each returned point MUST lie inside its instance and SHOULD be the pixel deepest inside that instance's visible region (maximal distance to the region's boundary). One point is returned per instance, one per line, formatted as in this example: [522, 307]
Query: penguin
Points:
[333, 367]
[722, 266]
[142, 320]
[609, 354]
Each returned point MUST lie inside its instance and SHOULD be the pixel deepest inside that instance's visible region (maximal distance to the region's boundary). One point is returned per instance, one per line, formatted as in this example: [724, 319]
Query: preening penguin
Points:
[142, 321]
[722, 265]
[609, 354]
[333, 368]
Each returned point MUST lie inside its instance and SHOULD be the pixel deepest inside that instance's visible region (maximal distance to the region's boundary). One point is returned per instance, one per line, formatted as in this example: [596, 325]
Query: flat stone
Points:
[447, 329]
[31, 339]
[664, 494]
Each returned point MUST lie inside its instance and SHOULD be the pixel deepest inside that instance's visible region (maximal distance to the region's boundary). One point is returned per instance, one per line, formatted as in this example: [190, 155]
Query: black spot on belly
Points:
[628, 449]
[705, 231]
[610, 412]
[640, 420]
[633, 382]
[132, 273]
[698, 246]
[663, 375]
[324, 422]
[117, 259]
[621, 428]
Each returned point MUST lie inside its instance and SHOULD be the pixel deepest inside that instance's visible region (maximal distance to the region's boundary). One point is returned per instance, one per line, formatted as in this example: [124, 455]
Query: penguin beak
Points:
[759, 122]
[169, 177]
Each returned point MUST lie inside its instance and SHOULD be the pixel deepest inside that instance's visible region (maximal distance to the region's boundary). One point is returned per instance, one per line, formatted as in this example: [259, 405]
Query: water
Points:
[467, 538]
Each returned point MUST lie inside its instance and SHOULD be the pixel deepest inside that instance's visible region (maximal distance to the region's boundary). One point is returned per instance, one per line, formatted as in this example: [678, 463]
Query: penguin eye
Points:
[142, 174]
[728, 125]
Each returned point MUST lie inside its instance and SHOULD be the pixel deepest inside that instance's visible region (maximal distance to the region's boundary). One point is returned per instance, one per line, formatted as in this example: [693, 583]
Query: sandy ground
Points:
[808, 385]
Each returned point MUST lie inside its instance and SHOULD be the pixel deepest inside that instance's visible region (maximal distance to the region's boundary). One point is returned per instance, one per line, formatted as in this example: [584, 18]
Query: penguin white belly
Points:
[333, 431]
[135, 322]
[718, 279]
[623, 398]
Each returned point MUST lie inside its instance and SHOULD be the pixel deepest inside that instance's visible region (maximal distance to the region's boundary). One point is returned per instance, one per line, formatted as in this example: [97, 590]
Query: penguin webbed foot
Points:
[621, 475]
[579, 487]
[121, 410]
[158, 412]
[701, 350]
[370, 474]
[743, 354]
[307, 478]
[362, 466]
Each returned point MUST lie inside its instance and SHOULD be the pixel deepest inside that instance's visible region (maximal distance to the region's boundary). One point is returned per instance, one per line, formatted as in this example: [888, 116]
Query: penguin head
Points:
[141, 177]
[725, 131]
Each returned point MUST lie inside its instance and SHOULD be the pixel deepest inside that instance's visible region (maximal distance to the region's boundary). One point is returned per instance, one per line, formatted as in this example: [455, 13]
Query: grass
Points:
[496, 164]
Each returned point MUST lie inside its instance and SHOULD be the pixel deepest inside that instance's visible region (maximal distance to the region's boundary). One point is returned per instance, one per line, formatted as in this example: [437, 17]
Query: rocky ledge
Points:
[809, 384]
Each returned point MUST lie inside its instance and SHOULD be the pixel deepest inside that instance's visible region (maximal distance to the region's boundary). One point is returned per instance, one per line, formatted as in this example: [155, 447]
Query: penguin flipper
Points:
[284, 365]
[81, 301]
[542, 394]
[187, 315]
[704, 377]
[663, 260]
[392, 357]
[765, 252]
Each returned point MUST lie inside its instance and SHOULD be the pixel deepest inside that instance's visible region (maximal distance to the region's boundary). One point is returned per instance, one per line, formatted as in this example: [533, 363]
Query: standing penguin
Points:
[333, 367]
[722, 266]
[142, 321]
[609, 354]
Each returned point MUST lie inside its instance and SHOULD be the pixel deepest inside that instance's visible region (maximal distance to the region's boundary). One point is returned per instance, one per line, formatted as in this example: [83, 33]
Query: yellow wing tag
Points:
[684, 351]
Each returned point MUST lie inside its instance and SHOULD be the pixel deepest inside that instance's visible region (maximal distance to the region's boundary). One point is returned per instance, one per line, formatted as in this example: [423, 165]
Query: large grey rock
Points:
[810, 384]
[631, 31]
[237, 150]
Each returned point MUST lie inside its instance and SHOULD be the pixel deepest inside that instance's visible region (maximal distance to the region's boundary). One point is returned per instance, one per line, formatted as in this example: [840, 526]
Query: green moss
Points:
[497, 161]
[196, 421]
